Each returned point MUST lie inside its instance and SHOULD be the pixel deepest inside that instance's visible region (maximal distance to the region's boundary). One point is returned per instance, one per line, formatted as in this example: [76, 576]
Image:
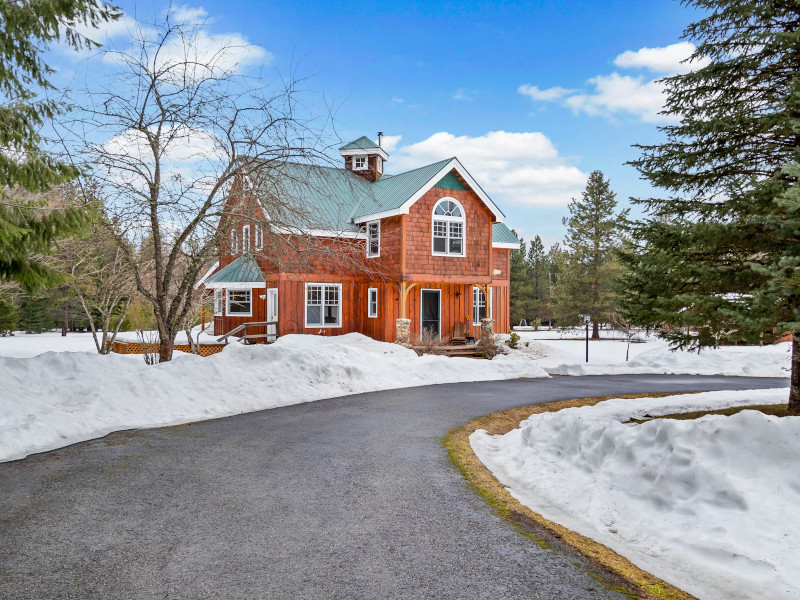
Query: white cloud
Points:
[548, 95]
[668, 60]
[228, 52]
[616, 94]
[521, 168]
[398, 100]
[389, 142]
[218, 52]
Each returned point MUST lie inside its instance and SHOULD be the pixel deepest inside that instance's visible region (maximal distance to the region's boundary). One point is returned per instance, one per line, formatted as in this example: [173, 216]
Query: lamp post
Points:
[586, 319]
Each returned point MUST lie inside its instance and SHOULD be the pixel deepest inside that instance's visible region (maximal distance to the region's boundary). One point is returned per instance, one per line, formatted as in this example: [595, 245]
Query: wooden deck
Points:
[463, 350]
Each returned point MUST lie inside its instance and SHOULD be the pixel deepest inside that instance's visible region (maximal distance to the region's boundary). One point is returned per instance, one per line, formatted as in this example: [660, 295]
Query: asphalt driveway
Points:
[345, 498]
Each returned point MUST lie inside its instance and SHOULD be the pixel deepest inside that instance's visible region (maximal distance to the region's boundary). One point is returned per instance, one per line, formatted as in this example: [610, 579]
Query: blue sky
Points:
[532, 96]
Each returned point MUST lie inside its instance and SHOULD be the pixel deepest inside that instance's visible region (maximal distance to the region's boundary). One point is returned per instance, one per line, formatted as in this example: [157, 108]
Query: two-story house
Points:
[432, 246]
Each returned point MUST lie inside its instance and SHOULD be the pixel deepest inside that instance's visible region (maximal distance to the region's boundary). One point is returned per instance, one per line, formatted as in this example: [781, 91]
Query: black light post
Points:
[586, 319]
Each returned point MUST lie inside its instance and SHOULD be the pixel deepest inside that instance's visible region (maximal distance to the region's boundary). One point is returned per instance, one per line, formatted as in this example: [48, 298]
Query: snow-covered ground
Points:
[607, 357]
[708, 505]
[59, 398]
[23, 345]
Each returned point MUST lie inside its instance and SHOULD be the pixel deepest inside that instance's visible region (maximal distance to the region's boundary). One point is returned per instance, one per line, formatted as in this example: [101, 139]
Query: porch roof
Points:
[503, 237]
[242, 271]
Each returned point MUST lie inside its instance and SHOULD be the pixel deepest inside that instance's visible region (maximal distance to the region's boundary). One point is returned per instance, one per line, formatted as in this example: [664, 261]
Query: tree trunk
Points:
[65, 323]
[165, 348]
[794, 389]
[595, 330]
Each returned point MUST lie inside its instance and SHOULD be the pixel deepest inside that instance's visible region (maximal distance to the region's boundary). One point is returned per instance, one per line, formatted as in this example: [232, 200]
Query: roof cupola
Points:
[364, 157]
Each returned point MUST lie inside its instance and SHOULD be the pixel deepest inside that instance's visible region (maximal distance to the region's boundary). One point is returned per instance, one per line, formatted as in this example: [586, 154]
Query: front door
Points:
[431, 301]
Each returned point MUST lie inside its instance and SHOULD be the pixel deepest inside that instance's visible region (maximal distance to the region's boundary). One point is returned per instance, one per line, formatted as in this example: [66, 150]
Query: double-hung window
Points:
[246, 238]
[373, 239]
[323, 305]
[240, 303]
[372, 303]
[259, 237]
[478, 305]
[448, 228]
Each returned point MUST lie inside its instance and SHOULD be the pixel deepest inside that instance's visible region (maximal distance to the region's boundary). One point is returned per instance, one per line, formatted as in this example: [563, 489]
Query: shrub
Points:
[513, 340]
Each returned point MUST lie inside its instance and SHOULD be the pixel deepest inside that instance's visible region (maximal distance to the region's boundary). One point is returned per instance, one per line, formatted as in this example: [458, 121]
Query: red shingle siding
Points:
[419, 237]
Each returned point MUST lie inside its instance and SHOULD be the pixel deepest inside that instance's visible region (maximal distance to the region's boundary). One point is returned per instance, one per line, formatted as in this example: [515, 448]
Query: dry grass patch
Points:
[776, 410]
[618, 573]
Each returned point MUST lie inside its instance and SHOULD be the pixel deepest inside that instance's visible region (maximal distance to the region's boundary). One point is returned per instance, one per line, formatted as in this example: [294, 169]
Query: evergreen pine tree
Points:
[594, 235]
[539, 267]
[720, 251]
[26, 30]
[520, 292]
[33, 314]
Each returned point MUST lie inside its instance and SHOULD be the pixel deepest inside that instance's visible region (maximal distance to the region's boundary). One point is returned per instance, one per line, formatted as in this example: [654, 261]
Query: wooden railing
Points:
[270, 336]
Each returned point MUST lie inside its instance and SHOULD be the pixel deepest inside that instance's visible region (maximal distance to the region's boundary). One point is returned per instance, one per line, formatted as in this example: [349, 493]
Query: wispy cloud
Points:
[641, 96]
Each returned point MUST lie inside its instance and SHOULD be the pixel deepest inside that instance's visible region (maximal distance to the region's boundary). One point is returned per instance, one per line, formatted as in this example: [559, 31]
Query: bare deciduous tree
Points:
[168, 135]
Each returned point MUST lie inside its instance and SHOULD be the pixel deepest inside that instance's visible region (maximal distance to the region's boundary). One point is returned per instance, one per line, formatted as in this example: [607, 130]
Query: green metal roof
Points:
[243, 270]
[450, 182]
[503, 235]
[362, 143]
[392, 191]
[331, 199]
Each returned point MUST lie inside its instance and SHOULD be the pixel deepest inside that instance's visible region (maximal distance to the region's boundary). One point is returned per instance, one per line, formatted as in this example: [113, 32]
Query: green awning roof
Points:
[503, 235]
[243, 270]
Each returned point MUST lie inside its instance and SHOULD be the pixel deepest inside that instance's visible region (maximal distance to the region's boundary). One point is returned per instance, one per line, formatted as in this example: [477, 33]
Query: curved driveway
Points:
[345, 498]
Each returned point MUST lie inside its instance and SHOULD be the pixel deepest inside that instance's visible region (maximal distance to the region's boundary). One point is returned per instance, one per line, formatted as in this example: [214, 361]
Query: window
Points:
[234, 241]
[323, 305]
[478, 305]
[217, 303]
[239, 303]
[379, 164]
[359, 163]
[448, 228]
[259, 238]
[372, 301]
[246, 238]
[373, 239]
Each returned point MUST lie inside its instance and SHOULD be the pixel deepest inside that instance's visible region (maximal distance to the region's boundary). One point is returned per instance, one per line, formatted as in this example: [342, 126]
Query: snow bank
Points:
[60, 398]
[654, 357]
[708, 505]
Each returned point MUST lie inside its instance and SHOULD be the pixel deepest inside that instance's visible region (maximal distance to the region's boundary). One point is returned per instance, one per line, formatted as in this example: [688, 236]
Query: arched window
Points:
[448, 228]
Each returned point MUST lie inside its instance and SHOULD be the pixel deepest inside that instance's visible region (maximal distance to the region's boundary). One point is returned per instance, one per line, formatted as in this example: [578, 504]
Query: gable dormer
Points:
[364, 158]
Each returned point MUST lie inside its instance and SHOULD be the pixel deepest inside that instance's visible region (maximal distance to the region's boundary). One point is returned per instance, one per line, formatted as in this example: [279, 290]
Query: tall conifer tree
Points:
[27, 27]
[594, 235]
[720, 250]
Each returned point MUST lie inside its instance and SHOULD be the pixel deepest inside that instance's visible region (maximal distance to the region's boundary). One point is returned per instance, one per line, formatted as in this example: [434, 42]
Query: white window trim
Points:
[462, 219]
[246, 238]
[218, 302]
[234, 241]
[272, 292]
[259, 237]
[366, 163]
[228, 302]
[377, 254]
[305, 307]
[379, 164]
[370, 314]
[475, 289]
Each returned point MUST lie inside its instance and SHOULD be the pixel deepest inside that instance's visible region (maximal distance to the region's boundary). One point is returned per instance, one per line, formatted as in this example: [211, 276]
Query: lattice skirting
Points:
[136, 348]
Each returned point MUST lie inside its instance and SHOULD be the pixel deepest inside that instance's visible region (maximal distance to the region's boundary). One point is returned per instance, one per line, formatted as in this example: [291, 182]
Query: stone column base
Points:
[403, 332]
